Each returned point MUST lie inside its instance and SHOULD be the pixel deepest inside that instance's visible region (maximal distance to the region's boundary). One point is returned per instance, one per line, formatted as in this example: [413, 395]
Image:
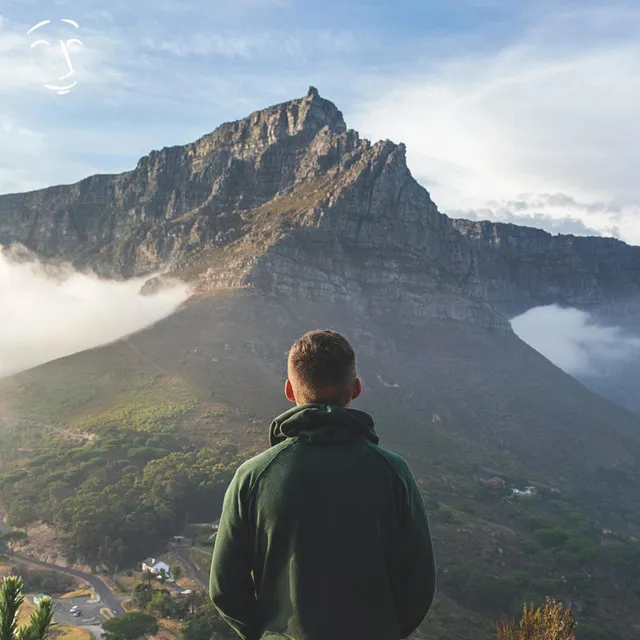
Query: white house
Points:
[528, 491]
[156, 566]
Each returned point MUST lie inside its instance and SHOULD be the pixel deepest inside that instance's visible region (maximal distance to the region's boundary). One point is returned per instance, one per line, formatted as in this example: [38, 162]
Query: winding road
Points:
[185, 558]
[110, 599]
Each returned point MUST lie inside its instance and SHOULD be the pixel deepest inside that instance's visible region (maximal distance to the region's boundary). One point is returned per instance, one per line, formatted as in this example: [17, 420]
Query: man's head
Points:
[322, 370]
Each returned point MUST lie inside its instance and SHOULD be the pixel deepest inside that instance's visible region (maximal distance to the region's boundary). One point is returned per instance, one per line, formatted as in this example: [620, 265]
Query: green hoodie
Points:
[334, 531]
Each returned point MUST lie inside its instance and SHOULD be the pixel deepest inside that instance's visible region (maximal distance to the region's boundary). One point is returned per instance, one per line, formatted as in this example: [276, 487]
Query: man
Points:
[324, 536]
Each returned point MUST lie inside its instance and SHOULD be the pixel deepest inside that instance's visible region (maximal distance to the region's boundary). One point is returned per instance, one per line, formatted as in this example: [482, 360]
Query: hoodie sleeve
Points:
[231, 585]
[412, 566]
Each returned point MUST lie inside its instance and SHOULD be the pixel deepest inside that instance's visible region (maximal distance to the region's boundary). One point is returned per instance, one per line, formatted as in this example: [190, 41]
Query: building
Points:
[156, 567]
[527, 491]
[496, 481]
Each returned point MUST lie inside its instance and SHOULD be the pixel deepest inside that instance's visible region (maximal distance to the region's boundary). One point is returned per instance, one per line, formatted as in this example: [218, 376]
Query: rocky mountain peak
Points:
[289, 200]
[301, 119]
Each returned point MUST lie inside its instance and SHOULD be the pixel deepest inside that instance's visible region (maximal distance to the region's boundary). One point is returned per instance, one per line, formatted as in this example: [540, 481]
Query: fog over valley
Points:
[50, 313]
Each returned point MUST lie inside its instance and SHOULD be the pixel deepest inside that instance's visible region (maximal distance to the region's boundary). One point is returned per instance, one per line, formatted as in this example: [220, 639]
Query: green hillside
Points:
[135, 427]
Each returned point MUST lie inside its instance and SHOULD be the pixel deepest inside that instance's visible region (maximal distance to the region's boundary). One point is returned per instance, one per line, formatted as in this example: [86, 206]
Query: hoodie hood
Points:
[322, 424]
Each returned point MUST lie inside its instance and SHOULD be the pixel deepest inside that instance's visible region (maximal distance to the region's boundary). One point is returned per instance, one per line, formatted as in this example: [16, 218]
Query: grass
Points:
[106, 613]
[125, 583]
[202, 559]
[69, 632]
[140, 402]
[82, 395]
[79, 593]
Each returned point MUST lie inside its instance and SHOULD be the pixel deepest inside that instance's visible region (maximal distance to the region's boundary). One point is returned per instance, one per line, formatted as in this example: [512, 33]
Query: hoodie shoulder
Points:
[395, 461]
[249, 472]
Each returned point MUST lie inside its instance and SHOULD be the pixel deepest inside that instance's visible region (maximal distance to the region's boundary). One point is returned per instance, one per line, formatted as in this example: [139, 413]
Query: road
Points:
[89, 612]
[191, 565]
[110, 599]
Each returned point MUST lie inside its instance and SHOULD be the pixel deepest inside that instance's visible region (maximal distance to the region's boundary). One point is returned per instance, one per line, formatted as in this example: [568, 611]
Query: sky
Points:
[516, 111]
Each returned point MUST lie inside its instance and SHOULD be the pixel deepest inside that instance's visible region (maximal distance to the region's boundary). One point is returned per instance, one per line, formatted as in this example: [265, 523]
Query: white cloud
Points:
[48, 314]
[251, 45]
[548, 113]
[562, 213]
[573, 341]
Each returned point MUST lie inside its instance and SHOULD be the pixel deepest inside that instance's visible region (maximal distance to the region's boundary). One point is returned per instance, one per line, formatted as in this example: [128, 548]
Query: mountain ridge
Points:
[294, 169]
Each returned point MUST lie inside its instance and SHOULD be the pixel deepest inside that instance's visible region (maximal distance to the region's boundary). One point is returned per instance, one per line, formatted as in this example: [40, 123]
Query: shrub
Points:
[549, 622]
[11, 599]
[530, 547]
[551, 537]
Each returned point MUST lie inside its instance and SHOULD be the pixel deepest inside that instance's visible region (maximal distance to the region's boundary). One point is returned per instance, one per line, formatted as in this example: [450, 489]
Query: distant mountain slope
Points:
[287, 221]
[460, 402]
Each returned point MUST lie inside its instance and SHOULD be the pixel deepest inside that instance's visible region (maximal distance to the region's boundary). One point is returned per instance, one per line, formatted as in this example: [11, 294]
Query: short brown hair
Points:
[322, 368]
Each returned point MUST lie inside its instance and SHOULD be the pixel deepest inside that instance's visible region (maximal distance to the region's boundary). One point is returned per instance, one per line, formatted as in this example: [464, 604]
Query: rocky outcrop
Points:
[288, 200]
[178, 200]
[521, 267]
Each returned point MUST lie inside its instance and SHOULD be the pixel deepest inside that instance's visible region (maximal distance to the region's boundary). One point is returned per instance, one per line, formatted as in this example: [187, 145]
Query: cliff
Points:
[289, 200]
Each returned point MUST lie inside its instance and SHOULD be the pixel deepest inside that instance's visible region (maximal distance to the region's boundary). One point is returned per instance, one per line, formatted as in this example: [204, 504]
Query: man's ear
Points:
[288, 391]
[357, 388]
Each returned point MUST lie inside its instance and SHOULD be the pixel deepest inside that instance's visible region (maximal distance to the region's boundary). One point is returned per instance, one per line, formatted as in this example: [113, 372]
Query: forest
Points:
[120, 498]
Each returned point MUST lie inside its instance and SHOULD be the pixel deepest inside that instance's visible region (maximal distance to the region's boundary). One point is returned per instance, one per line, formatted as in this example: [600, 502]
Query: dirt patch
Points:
[80, 593]
[189, 583]
[69, 632]
[170, 627]
[164, 634]
[26, 610]
[44, 545]
[128, 605]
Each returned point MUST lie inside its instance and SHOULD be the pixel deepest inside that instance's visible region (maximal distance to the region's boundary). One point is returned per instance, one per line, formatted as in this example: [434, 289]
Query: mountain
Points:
[286, 221]
[257, 195]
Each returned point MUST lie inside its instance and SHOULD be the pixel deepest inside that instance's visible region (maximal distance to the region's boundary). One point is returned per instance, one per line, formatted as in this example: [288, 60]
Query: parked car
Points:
[74, 609]
[77, 613]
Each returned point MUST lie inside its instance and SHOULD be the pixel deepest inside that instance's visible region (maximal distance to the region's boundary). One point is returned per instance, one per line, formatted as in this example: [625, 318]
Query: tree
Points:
[161, 604]
[148, 576]
[21, 513]
[177, 571]
[129, 626]
[549, 622]
[162, 576]
[205, 624]
[142, 594]
[12, 537]
[11, 599]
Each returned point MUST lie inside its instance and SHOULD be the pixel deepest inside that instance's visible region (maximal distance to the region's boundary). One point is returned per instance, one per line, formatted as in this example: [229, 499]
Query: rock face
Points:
[288, 200]
[521, 267]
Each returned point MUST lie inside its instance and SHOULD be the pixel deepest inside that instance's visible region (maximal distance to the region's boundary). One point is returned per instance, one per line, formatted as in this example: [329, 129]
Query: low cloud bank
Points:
[573, 341]
[47, 313]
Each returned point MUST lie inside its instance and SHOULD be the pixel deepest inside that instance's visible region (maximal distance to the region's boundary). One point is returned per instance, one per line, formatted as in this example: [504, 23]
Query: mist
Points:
[573, 340]
[47, 313]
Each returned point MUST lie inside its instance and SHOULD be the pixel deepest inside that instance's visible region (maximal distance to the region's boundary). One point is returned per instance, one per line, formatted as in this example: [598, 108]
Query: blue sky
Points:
[516, 111]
